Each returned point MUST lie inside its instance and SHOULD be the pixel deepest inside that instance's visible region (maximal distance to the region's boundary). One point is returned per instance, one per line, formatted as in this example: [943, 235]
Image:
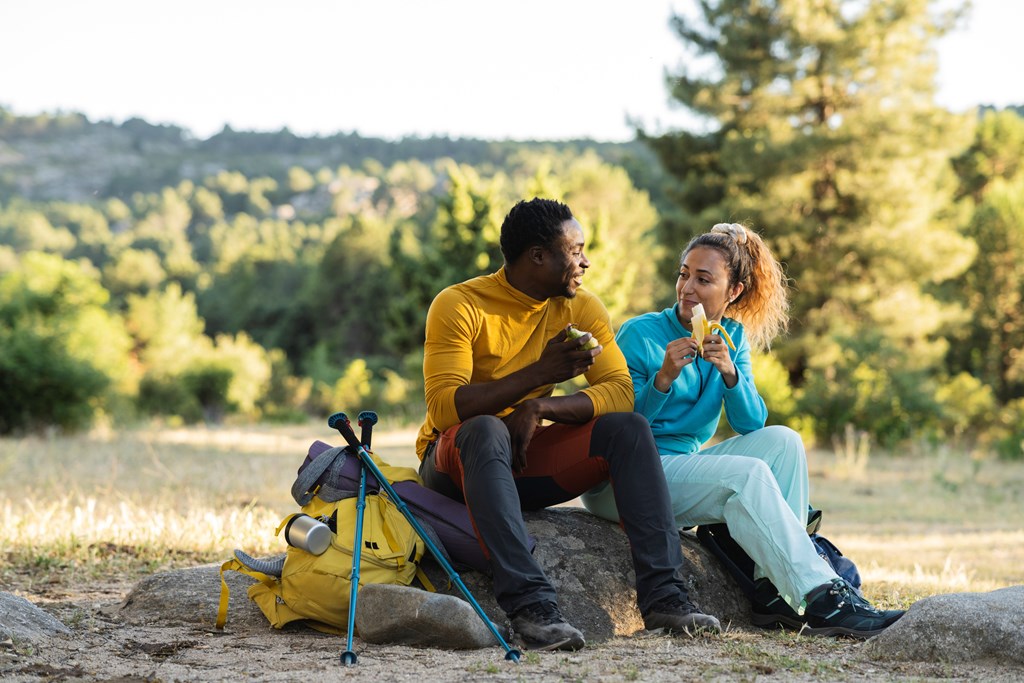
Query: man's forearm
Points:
[490, 398]
[573, 409]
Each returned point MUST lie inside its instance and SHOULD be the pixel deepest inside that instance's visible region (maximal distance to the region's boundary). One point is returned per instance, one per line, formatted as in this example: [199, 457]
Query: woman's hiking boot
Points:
[769, 610]
[836, 609]
[679, 615]
[542, 627]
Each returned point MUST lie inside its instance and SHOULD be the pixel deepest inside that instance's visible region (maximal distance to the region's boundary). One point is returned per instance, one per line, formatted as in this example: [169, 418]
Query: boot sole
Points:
[776, 621]
[690, 629]
[773, 621]
[571, 643]
[840, 631]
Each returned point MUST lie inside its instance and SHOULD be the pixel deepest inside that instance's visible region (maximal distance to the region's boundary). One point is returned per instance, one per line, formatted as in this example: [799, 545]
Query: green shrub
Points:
[1009, 442]
[168, 396]
[870, 386]
[63, 355]
[42, 385]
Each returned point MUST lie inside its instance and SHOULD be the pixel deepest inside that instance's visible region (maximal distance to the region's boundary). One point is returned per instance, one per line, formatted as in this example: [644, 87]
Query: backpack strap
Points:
[305, 486]
[717, 539]
[424, 580]
[225, 593]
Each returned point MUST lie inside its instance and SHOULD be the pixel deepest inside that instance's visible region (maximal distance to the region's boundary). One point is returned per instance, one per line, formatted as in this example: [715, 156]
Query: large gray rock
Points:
[192, 596]
[386, 613]
[957, 627]
[21, 621]
[586, 558]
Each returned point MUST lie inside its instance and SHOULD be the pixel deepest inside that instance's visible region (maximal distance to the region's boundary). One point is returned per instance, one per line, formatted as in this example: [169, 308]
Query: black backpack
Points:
[717, 539]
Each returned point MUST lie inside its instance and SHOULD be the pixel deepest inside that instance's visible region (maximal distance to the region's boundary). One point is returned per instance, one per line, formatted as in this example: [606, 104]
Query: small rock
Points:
[20, 620]
[386, 613]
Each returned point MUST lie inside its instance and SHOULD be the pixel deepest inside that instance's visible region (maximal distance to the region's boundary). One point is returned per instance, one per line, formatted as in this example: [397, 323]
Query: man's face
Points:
[566, 264]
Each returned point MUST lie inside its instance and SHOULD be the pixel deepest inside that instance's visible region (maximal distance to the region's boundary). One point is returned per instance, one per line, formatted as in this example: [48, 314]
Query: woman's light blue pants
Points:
[757, 484]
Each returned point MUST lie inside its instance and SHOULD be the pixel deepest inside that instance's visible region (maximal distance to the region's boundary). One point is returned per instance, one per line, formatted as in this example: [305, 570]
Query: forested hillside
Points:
[264, 274]
[66, 157]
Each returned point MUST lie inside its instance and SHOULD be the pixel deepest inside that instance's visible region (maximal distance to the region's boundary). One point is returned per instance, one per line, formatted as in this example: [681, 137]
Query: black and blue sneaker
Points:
[836, 609]
[769, 610]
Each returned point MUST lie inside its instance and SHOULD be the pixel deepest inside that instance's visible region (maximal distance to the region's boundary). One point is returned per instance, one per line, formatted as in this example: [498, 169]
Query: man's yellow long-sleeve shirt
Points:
[485, 329]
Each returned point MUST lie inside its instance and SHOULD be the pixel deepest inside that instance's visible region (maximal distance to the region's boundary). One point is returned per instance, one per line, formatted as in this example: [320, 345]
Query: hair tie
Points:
[734, 230]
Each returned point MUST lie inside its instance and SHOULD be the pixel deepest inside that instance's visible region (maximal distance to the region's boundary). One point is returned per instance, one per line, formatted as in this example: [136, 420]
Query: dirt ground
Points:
[105, 647]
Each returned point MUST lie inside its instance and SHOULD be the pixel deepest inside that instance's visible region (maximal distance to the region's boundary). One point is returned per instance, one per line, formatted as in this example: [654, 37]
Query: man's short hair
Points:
[537, 222]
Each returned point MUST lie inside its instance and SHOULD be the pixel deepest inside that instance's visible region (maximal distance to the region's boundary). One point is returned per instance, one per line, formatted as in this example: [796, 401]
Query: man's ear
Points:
[536, 255]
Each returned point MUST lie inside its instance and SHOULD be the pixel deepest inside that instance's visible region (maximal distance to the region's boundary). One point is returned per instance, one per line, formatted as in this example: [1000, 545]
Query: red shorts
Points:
[560, 464]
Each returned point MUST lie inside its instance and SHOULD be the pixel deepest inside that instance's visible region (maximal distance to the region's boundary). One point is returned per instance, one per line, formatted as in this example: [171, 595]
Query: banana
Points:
[573, 333]
[703, 327]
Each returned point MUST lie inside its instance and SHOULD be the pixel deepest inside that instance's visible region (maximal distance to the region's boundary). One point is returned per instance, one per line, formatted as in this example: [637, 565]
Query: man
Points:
[495, 348]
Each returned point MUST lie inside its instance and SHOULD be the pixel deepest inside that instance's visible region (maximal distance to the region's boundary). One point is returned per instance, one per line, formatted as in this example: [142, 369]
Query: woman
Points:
[755, 483]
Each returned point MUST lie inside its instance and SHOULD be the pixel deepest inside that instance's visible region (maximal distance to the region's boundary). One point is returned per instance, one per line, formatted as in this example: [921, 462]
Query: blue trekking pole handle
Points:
[366, 420]
[340, 422]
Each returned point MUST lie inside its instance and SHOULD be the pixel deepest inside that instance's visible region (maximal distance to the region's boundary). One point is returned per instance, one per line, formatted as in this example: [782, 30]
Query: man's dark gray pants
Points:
[495, 498]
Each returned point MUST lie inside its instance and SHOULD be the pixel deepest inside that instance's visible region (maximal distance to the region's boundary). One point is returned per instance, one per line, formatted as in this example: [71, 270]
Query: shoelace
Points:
[846, 594]
[676, 603]
[545, 612]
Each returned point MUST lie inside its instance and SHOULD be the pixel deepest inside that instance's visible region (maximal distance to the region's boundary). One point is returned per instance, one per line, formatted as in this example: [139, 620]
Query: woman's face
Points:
[704, 279]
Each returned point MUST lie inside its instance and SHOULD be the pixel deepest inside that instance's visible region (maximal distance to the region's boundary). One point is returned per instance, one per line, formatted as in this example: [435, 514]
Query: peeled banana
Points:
[573, 333]
[703, 327]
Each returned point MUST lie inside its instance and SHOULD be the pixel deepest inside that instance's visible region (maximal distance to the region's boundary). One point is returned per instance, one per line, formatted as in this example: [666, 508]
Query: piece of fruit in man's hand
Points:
[703, 327]
[573, 333]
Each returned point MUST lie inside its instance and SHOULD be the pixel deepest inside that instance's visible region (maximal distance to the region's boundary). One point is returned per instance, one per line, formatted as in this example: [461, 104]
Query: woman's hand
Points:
[716, 352]
[678, 354]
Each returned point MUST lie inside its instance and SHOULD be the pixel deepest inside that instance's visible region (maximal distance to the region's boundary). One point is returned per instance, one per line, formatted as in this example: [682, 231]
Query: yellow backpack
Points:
[316, 588]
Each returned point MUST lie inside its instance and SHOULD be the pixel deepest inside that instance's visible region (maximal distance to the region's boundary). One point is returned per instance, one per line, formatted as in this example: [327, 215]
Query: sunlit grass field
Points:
[114, 506]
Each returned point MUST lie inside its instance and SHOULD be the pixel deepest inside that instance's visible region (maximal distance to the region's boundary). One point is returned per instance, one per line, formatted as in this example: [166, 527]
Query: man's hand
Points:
[522, 423]
[564, 358]
[561, 359]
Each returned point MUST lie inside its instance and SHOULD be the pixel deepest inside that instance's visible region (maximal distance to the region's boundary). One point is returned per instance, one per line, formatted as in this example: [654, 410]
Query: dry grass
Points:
[138, 501]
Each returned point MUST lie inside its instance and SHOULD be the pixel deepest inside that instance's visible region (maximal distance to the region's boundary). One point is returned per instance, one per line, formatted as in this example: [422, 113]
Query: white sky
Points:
[548, 69]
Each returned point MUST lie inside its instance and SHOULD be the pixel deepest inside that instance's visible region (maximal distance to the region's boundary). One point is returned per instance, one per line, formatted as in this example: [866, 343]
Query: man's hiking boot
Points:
[769, 610]
[679, 615]
[542, 627]
[836, 609]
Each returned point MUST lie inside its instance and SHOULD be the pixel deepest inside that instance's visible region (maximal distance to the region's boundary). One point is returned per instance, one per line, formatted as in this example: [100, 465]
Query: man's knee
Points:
[483, 436]
[629, 425]
[628, 422]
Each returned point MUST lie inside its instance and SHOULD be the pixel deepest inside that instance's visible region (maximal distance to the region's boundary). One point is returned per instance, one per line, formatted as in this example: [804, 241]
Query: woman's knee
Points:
[789, 441]
[750, 474]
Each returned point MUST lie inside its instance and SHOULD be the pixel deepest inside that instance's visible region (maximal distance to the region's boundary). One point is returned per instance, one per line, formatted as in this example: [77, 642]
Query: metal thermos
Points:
[307, 533]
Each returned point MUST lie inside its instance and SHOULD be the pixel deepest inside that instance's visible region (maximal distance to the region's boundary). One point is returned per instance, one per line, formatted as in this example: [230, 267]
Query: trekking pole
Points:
[340, 422]
[366, 420]
[348, 657]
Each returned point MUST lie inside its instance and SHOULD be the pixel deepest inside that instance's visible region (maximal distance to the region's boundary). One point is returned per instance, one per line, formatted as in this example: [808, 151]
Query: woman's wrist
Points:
[662, 383]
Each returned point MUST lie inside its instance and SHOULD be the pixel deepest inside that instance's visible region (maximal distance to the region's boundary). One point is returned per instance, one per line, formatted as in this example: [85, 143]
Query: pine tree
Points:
[825, 138]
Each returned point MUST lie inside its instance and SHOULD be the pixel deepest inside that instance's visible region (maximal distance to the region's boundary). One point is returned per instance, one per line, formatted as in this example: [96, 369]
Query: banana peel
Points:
[574, 333]
[702, 327]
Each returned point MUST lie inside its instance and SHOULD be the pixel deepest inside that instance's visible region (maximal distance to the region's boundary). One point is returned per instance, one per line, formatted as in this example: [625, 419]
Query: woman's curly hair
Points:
[763, 305]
